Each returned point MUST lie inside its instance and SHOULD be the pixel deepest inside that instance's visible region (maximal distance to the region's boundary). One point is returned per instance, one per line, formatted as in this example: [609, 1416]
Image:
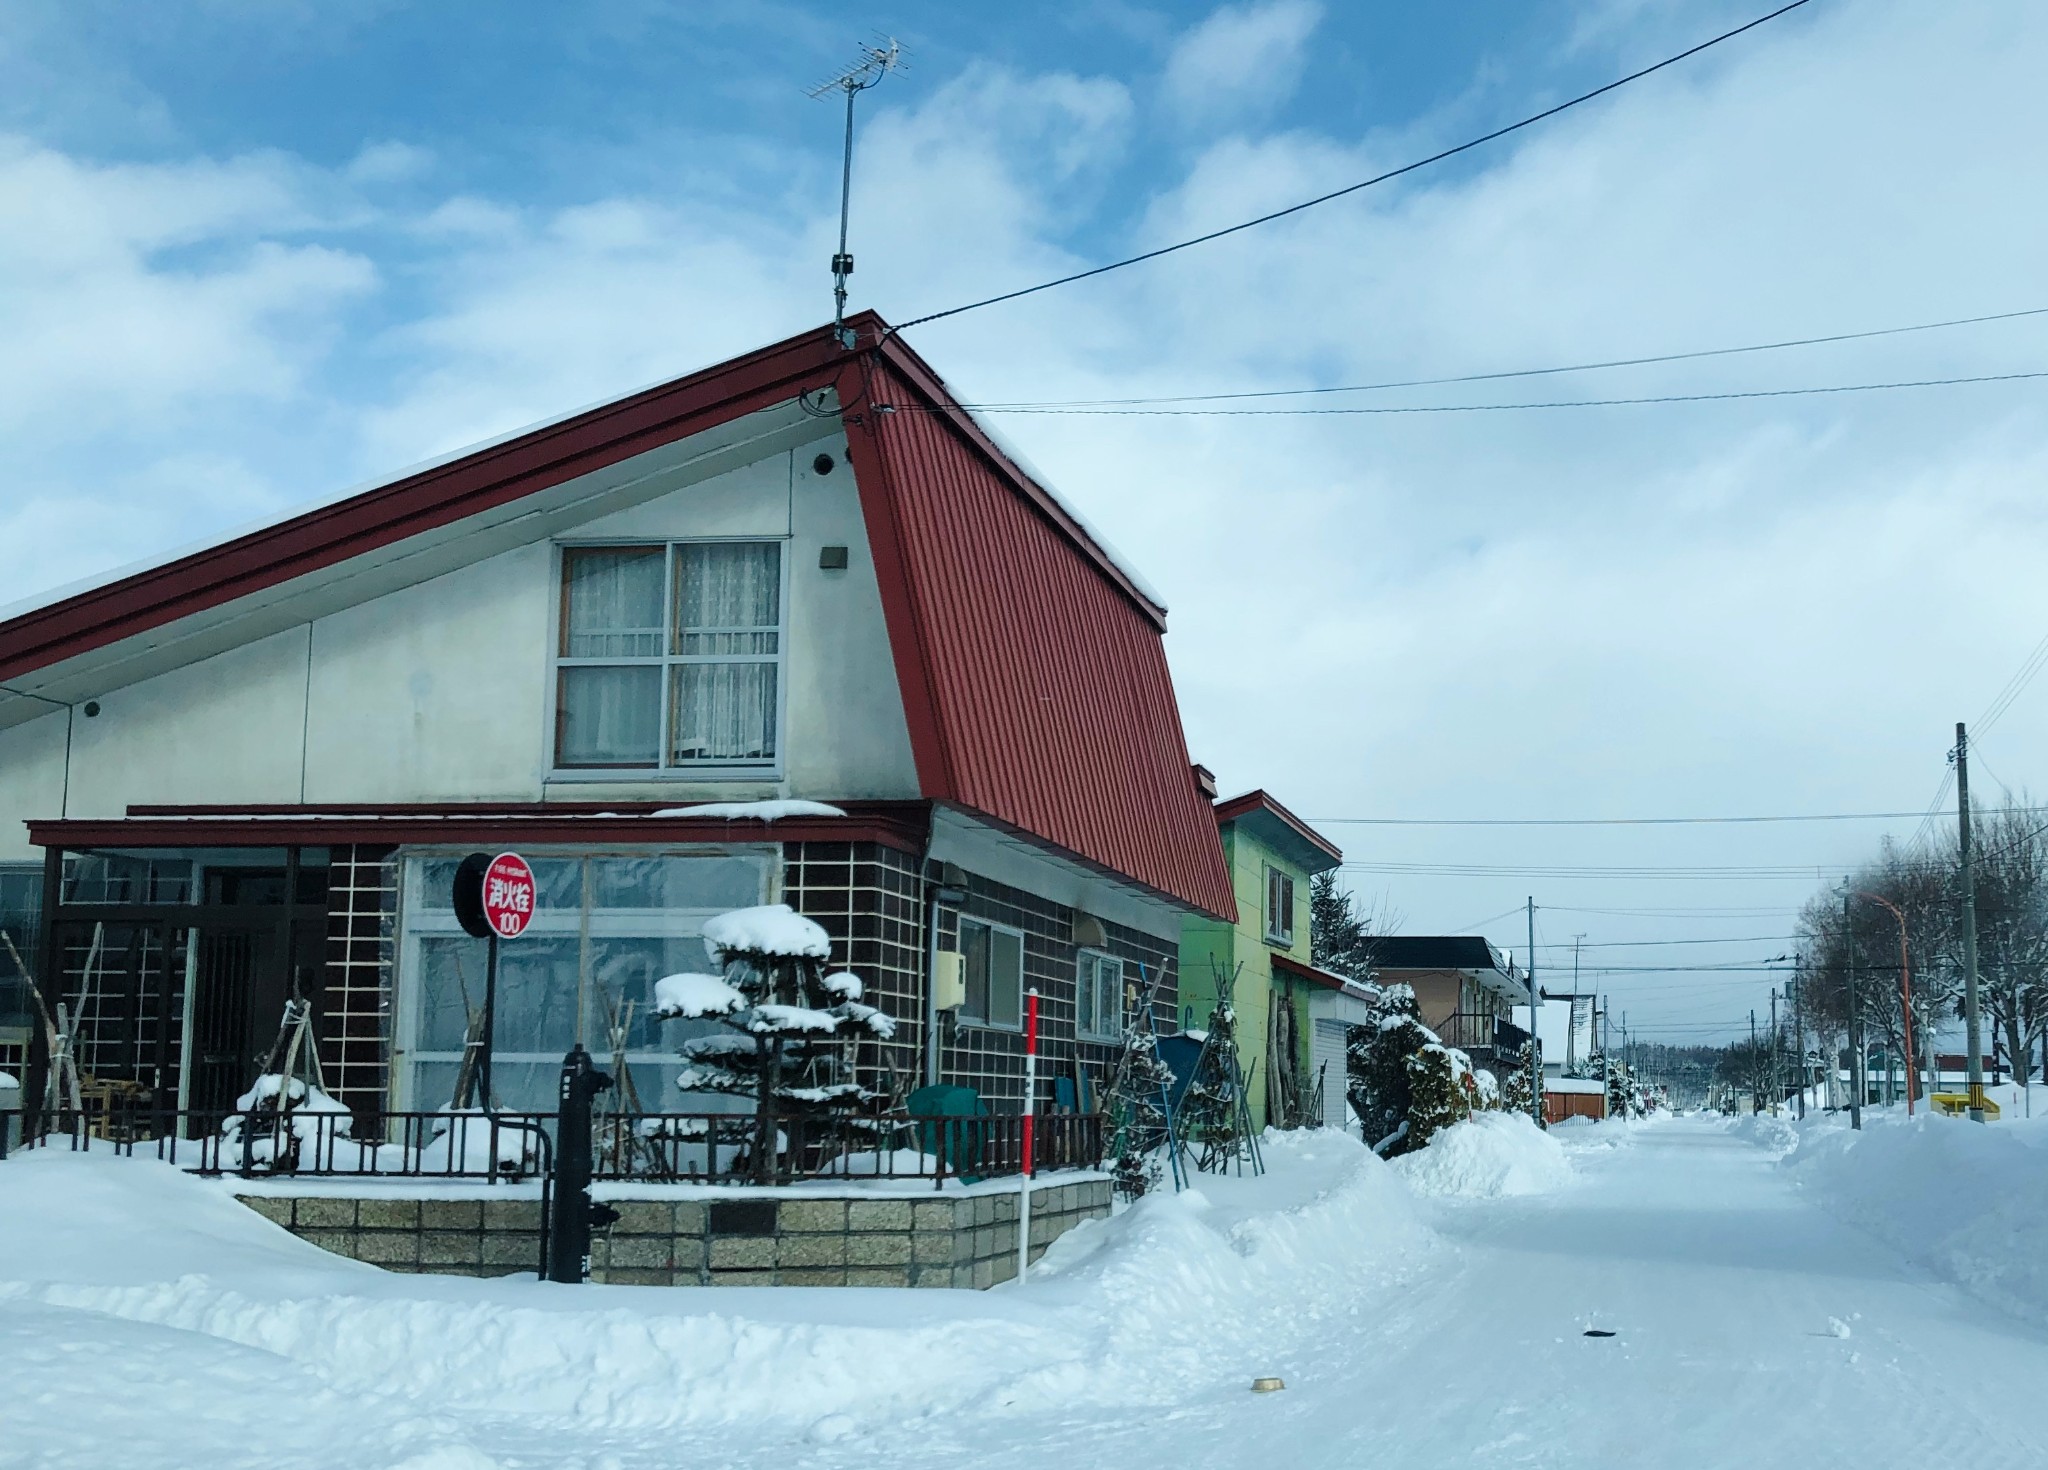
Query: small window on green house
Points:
[1279, 907]
[993, 958]
[1099, 996]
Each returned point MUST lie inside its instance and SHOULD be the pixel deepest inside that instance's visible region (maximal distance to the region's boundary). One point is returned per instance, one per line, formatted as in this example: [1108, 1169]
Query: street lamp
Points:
[1905, 990]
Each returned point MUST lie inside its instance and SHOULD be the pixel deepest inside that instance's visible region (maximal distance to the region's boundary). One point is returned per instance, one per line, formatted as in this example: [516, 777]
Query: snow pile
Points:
[1121, 1313]
[753, 811]
[1969, 1201]
[771, 929]
[1775, 1134]
[1487, 1156]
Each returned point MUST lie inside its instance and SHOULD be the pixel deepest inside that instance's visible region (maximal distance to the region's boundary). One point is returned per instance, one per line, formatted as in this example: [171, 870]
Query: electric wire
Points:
[1619, 821]
[1407, 168]
[1491, 377]
[2014, 687]
[1353, 410]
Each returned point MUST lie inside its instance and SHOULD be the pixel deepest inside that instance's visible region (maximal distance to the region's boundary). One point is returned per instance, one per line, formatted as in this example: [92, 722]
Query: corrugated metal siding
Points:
[1054, 706]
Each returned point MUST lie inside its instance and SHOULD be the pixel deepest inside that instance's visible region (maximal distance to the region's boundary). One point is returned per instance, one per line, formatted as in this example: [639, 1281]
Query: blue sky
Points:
[255, 252]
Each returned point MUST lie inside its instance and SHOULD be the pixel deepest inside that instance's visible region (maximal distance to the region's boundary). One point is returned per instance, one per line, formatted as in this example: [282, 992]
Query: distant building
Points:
[1465, 988]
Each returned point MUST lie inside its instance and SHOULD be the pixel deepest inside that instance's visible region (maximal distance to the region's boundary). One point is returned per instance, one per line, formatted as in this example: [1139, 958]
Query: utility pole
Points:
[1971, 1022]
[1777, 1091]
[1799, 1036]
[1856, 1058]
[1535, 1047]
[1752, 1062]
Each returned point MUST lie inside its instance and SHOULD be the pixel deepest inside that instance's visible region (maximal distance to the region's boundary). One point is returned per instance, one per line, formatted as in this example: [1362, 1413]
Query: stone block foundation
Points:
[709, 1237]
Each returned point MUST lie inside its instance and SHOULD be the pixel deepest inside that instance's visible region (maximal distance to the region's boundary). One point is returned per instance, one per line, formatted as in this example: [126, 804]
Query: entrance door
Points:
[242, 975]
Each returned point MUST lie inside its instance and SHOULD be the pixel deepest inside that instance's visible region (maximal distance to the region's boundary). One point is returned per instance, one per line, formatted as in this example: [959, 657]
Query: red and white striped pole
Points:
[1030, 1104]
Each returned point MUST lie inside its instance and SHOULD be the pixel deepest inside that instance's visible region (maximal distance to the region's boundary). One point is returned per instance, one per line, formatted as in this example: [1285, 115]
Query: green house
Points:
[1291, 1016]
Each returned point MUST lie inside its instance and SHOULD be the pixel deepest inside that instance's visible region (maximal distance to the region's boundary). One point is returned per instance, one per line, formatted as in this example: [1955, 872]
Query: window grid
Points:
[710, 645]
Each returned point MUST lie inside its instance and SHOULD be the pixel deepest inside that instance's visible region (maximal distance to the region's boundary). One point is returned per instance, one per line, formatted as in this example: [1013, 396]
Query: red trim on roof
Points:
[1237, 806]
[1325, 978]
[901, 825]
[1034, 680]
[425, 501]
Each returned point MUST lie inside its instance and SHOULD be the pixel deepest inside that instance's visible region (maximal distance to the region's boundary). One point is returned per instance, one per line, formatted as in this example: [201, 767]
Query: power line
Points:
[1646, 943]
[2014, 687]
[1407, 168]
[1365, 410]
[1618, 821]
[1804, 872]
[1580, 367]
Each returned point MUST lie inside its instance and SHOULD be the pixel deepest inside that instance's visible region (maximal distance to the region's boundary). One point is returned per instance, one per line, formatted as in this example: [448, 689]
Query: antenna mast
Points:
[876, 62]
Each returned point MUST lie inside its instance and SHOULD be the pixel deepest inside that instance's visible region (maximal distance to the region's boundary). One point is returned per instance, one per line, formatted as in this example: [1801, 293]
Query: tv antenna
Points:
[875, 63]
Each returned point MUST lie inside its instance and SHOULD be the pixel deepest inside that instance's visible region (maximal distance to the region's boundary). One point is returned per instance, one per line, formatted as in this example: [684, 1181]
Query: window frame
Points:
[993, 926]
[1086, 962]
[769, 769]
[416, 921]
[1283, 934]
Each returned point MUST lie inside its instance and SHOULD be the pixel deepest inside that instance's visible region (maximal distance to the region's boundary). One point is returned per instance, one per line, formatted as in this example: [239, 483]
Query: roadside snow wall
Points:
[1119, 1312]
[1969, 1201]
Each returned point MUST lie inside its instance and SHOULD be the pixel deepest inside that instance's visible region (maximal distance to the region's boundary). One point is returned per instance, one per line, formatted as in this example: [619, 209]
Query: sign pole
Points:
[495, 898]
[1030, 1105]
[487, 1044]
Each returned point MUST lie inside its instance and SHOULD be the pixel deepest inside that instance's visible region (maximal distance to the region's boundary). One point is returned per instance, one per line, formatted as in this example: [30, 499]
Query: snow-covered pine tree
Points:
[1439, 1093]
[789, 1022]
[1340, 937]
[1514, 1091]
[1136, 1100]
[1376, 1066]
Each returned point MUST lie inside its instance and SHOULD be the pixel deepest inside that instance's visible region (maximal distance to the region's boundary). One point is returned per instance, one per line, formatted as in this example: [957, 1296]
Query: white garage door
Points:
[1326, 1056]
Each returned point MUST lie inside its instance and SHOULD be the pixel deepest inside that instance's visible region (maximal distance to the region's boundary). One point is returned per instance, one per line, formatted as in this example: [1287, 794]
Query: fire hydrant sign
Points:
[509, 894]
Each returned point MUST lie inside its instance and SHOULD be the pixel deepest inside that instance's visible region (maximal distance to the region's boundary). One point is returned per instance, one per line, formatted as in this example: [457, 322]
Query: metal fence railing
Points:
[502, 1147]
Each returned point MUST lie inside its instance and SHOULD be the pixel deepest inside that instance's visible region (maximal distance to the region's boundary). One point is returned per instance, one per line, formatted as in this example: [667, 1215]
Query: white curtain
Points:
[728, 606]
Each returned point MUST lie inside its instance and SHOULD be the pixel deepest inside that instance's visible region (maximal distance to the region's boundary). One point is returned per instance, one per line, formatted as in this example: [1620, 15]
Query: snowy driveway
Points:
[1750, 1328]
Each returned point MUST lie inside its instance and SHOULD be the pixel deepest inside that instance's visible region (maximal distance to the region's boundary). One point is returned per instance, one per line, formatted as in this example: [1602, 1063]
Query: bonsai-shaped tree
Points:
[788, 1020]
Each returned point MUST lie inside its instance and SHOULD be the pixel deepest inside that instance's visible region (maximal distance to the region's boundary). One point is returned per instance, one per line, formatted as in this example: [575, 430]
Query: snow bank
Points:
[1487, 1156]
[1969, 1201]
[1122, 1312]
[1776, 1134]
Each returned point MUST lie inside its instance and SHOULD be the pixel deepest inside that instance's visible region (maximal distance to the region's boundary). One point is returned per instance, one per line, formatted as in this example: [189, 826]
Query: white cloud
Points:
[1241, 59]
[1766, 606]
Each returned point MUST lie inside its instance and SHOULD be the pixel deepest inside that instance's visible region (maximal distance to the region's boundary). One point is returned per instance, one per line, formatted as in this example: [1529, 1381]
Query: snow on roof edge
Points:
[1038, 477]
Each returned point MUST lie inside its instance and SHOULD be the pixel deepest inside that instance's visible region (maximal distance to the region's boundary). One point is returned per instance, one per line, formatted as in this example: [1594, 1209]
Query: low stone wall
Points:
[786, 1238]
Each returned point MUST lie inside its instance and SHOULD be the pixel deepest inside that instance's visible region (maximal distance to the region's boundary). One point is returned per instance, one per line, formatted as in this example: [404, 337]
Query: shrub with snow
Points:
[1439, 1092]
[790, 1027]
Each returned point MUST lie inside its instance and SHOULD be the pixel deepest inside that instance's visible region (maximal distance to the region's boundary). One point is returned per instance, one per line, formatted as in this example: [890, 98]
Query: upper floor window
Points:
[1279, 907]
[670, 656]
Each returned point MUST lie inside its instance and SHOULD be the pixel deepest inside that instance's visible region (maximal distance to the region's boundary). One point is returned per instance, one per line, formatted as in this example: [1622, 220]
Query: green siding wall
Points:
[1208, 946]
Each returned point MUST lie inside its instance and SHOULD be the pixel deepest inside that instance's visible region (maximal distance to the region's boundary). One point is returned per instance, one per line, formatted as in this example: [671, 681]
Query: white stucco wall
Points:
[441, 691]
[31, 780]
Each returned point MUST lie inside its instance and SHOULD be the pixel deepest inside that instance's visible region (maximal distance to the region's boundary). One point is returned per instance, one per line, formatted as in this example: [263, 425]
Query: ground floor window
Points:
[1099, 996]
[607, 926]
[992, 956]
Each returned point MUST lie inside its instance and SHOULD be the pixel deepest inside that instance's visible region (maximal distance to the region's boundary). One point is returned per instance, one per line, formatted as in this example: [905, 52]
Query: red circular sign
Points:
[509, 895]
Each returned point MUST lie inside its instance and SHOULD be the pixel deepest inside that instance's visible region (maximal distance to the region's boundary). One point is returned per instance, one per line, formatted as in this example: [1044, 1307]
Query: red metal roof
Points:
[1034, 679]
[1033, 673]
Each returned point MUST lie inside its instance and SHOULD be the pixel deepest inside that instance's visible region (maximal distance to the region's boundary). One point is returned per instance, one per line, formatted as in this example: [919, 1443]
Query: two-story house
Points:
[1291, 1016]
[794, 628]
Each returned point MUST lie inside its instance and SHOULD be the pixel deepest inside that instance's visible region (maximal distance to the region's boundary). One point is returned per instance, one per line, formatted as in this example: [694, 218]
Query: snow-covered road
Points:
[1726, 1293]
[1751, 1328]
